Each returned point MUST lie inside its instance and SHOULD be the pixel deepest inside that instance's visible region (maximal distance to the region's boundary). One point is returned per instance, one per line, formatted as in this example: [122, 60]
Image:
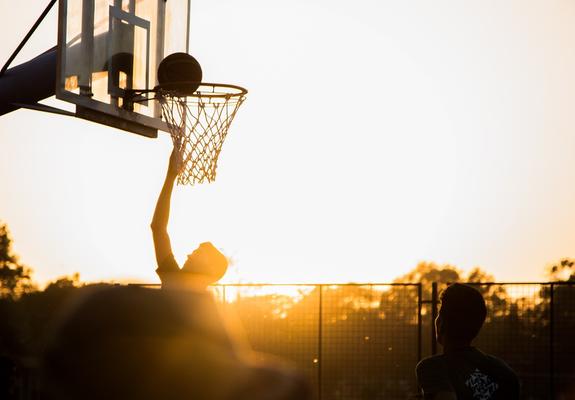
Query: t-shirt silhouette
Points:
[470, 374]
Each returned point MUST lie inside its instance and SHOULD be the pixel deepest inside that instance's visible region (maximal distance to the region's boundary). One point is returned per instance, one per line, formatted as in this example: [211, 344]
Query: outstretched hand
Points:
[175, 165]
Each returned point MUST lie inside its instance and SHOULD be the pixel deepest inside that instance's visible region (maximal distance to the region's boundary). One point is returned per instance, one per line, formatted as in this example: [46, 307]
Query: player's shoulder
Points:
[432, 377]
[501, 368]
[501, 365]
[495, 361]
[430, 364]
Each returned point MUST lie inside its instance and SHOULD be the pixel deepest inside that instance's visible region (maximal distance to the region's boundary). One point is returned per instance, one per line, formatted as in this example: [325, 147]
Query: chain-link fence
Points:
[352, 341]
[362, 341]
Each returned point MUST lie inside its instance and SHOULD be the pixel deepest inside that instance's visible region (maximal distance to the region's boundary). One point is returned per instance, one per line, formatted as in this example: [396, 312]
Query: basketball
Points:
[180, 72]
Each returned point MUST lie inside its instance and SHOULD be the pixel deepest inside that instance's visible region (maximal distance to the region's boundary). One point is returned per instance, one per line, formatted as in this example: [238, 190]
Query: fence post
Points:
[434, 301]
[551, 342]
[419, 306]
[319, 342]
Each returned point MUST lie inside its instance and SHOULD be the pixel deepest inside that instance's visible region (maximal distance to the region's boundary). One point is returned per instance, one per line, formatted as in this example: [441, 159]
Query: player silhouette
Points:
[204, 266]
[463, 372]
[118, 342]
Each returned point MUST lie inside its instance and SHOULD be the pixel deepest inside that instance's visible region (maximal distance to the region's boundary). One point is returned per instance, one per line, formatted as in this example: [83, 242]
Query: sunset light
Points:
[311, 200]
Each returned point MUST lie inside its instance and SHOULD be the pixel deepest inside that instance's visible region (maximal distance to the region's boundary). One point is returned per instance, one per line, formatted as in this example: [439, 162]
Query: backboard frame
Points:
[97, 111]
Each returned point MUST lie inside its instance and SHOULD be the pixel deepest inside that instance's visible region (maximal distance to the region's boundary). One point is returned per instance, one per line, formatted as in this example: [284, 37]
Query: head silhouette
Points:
[461, 315]
[207, 263]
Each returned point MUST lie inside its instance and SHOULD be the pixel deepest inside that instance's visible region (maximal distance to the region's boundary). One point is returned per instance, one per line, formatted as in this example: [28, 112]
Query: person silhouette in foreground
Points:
[141, 343]
[128, 342]
[463, 372]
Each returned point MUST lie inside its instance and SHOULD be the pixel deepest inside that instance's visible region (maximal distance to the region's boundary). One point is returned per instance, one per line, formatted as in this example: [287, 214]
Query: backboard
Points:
[108, 46]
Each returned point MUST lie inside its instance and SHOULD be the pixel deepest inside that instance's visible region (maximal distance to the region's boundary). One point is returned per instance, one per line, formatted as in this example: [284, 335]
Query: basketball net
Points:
[199, 125]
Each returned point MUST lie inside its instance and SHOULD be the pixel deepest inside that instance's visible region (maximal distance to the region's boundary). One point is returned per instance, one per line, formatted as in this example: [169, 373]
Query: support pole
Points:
[419, 321]
[28, 83]
[552, 341]
[320, 343]
[434, 302]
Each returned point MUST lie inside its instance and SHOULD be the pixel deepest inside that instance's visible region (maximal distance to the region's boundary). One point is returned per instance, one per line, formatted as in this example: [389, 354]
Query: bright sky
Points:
[377, 133]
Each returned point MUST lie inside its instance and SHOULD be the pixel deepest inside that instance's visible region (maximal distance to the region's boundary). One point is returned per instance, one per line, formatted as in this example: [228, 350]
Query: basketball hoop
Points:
[199, 123]
[198, 115]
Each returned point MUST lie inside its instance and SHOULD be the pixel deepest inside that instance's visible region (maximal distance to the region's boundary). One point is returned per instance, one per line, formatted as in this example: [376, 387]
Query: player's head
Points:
[207, 263]
[461, 315]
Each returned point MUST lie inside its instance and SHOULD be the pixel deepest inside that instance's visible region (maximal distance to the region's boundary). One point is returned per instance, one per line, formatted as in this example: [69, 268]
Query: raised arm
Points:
[162, 245]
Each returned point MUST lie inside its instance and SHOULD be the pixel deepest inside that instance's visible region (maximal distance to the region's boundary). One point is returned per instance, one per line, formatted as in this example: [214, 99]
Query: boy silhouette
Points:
[121, 343]
[463, 372]
[204, 266]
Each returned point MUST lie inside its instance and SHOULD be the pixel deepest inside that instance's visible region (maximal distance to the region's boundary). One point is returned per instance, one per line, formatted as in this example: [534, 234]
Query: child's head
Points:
[461, 315]
[206, 262]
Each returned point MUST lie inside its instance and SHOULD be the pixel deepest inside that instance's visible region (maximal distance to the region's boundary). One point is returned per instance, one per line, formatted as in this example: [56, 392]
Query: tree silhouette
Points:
[15, 278]
[428, 272]
[564, 270]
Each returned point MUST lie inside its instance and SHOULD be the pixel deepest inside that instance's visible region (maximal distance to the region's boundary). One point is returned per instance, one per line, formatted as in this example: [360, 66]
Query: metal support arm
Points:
[27, 37]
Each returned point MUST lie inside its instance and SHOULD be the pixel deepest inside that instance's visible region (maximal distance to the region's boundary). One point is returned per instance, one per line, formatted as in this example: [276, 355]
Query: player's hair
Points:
[463, 311]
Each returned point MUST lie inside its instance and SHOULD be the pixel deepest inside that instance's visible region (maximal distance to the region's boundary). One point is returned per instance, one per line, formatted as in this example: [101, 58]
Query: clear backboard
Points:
[106, 47]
